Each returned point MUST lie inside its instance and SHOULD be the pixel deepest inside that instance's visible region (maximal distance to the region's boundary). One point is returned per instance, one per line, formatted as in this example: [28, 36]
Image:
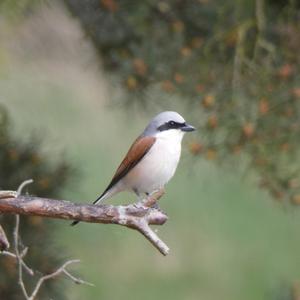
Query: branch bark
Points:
[19, 255]
[4, 244]
[134, 216]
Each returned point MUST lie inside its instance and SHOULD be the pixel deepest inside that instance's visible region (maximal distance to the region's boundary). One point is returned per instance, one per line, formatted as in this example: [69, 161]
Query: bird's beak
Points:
[187, 128]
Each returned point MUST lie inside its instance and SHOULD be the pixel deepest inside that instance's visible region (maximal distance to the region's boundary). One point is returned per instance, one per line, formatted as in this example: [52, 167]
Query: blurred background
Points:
[79, 80]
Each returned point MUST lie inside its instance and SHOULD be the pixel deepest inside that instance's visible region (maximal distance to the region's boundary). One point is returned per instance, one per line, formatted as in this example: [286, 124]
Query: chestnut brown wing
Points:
[137, 151]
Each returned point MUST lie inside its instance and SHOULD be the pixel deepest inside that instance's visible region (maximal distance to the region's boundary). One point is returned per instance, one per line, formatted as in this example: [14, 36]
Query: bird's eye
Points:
[172, 123]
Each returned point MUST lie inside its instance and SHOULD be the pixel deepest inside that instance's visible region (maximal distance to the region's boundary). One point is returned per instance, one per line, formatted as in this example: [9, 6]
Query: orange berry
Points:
[296, 199]
[277, 194]
[139, 66]
[195, 148]
[248, 130]
[296, 92]
[211, 154]
[110, 5]
[178, 78]
[168, 86]
[131, 83]
[197, 42]
[185, 51]
[44, 183]
[178, 26]
[285, 147]
[212, 121]
[13, 154]
[285, 71]
[208, 101]
[199, 87]
[263, 106]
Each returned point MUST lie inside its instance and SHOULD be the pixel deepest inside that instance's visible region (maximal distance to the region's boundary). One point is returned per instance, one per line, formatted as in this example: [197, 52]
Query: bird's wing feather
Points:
[137, 151]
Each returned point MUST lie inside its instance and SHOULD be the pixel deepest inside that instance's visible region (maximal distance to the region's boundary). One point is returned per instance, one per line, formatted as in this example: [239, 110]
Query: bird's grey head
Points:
[167, 120]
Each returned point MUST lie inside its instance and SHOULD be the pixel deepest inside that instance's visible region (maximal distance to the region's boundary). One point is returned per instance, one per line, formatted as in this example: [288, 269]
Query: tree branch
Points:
[20, 255]
[134, 216]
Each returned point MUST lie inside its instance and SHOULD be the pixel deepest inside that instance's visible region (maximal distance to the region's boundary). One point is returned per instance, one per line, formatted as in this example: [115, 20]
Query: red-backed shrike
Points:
[152, 159]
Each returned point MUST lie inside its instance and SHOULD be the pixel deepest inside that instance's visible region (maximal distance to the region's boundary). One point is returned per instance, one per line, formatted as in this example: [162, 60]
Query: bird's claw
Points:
[138, 205]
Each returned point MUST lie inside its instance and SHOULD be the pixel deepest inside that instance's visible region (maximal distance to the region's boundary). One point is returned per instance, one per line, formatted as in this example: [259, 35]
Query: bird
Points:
[152, 159]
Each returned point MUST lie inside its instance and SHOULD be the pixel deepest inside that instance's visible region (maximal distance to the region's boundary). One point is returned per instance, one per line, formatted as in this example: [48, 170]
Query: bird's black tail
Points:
[74, 223]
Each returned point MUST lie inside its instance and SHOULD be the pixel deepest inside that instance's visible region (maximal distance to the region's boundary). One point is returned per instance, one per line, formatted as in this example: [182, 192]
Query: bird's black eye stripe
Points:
[171, 125]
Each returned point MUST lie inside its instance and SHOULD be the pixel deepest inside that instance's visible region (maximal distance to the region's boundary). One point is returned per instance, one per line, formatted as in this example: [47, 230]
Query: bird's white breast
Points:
[159, 164]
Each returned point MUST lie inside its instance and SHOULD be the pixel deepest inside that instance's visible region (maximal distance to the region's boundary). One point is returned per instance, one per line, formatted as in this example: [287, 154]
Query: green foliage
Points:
[234, 63]
[16, 8]
[18, 162]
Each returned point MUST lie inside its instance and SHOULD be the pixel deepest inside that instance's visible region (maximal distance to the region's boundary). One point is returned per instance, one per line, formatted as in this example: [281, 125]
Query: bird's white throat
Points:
[172, 135]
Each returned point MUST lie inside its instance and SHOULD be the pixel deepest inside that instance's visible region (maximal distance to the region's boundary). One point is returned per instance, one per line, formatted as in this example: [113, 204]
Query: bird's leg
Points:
[151, 200]
[139, 202]
[154, 205]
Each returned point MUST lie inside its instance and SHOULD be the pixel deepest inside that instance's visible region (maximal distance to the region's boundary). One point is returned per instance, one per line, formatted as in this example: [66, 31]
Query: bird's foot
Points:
[138, 204]
[156, 206]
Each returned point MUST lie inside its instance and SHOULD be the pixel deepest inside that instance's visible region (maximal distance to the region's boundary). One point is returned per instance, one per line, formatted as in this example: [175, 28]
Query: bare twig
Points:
[132, 216]
[56, 273]
[22, 185]
[19, 258]
[4, 244]
[77, 280]
[20, 255]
